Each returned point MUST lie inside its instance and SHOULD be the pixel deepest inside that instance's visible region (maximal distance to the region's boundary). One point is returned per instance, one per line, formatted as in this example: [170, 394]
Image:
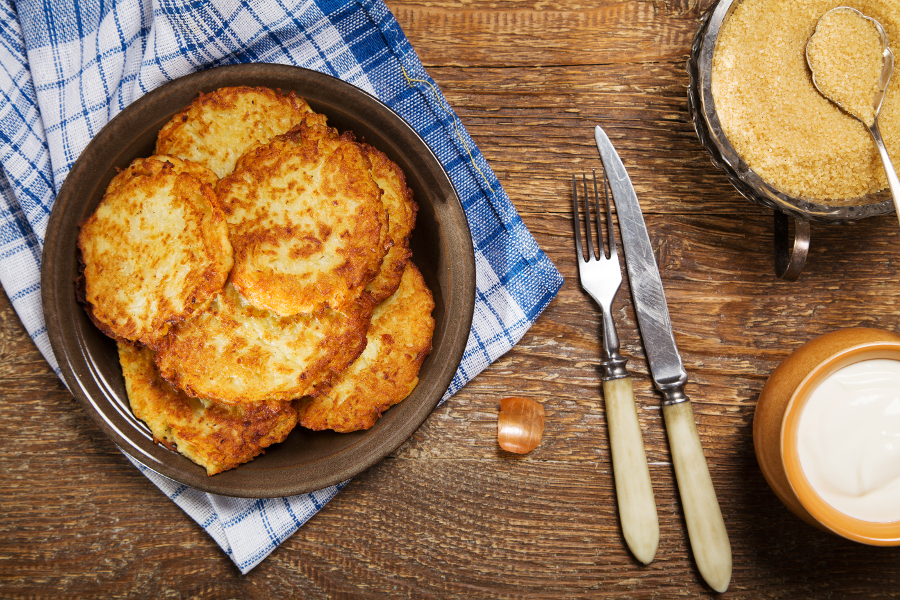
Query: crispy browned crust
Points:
[236, 353]
[399, 339]
[306, 221]
[401, 209]
[215, 436]
[217, 128]
[155, 250]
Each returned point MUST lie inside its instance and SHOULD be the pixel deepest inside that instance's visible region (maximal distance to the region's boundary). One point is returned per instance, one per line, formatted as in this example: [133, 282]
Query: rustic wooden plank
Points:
[535, 128]
[526, 34]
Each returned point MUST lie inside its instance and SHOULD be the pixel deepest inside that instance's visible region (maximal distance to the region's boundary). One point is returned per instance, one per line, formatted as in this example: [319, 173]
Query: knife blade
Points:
[706, 527]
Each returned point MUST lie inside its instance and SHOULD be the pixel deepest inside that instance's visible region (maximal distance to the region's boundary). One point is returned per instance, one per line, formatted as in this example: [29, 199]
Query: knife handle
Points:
[634, 492]
[706, 528]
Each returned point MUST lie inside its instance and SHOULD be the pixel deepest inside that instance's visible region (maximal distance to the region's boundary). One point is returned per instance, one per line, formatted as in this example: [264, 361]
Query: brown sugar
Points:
[786, 131]
[846, 57]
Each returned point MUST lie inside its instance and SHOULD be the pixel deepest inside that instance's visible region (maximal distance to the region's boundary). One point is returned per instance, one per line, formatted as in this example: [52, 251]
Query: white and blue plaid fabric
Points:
[69, 66]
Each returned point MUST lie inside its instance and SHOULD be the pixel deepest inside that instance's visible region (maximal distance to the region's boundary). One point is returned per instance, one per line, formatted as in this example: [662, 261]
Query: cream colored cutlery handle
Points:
[706, 528]
[634, 492]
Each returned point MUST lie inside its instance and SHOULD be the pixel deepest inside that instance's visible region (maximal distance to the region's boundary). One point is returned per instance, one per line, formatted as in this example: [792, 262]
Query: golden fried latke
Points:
[217, 128]
[215, 436]
[387, 371]
[155, 250]
[306, 221]
[236, 353]
[401, 209]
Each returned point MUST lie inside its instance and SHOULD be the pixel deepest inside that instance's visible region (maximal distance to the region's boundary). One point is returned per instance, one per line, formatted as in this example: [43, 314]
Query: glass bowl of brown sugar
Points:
[779, 141]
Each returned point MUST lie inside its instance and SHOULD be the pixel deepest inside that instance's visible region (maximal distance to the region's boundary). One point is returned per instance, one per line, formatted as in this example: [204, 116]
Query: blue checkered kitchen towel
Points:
[68, 67]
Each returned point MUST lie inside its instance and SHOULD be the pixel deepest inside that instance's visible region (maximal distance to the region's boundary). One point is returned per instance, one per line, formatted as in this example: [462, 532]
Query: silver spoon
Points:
[878, 98]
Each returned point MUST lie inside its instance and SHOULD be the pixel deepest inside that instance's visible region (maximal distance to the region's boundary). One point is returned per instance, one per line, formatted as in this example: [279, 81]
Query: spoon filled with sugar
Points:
[851, 66]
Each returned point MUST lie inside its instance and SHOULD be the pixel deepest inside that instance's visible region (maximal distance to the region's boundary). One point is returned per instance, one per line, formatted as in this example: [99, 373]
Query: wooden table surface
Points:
[449, 514]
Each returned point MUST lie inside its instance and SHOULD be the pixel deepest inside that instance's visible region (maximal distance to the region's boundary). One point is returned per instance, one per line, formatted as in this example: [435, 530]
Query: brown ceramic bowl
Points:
[777, 418]
[306, 461]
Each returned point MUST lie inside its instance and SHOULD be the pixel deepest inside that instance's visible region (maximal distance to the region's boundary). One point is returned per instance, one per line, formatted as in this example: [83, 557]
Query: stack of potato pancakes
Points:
[256, 274]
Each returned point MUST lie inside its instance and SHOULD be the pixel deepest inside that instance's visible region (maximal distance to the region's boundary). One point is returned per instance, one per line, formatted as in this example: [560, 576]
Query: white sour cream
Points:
[849, 440]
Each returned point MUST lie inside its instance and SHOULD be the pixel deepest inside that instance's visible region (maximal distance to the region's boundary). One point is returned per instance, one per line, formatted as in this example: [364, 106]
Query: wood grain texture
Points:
[449, 514]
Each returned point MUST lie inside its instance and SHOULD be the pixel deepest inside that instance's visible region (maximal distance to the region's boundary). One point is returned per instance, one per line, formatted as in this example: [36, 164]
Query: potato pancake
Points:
[306, 221]
[155, 250]
[236, 353]
[399, 339]
[401, 209]
[215, 436]
[217, 128]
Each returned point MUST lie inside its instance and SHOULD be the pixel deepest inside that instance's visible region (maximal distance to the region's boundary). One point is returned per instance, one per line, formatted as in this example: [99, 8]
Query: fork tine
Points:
[601, 250]
[592, 254]
[576, 219]
[609, 220]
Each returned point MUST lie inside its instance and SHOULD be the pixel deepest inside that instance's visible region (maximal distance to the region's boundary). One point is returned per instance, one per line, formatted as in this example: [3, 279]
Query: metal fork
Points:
[601, 278]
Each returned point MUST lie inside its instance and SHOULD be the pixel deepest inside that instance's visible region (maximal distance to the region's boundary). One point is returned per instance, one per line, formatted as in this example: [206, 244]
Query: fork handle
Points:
[634, 492]
[706, 528]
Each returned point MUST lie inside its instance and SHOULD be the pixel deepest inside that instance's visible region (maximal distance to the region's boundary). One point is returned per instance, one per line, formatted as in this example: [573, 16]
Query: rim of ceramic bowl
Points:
[724, 156]
[866, 532]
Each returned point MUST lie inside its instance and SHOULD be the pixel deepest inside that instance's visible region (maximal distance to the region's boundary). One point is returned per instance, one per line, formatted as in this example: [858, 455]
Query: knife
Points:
[706, 528]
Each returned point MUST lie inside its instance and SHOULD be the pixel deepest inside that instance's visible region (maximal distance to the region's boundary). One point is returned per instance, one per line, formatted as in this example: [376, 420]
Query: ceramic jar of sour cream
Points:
[827, 434]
